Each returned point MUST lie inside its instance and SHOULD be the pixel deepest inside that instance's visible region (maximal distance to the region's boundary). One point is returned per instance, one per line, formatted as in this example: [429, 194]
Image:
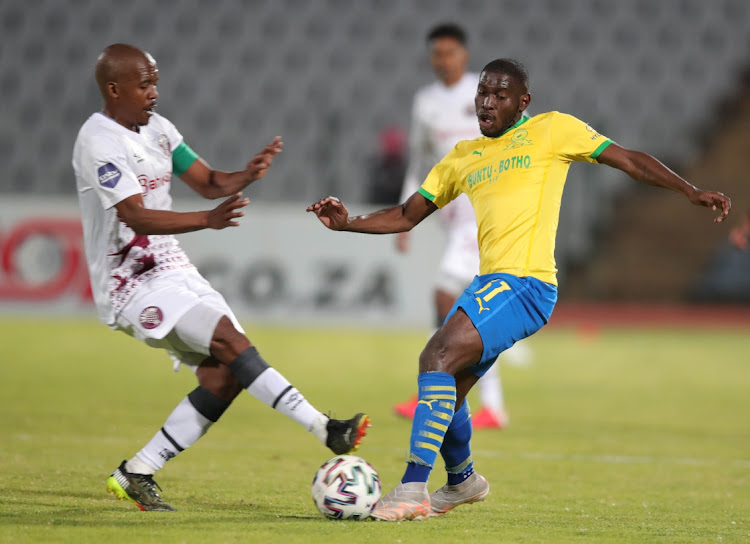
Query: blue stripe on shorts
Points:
[505, 309]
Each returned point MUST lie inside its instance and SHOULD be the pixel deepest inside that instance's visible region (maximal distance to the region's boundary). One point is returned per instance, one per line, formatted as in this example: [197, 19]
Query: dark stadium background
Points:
[335, 78]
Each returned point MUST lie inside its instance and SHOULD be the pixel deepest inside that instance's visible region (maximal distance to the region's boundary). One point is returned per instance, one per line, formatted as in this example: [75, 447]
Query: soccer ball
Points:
[346, 487]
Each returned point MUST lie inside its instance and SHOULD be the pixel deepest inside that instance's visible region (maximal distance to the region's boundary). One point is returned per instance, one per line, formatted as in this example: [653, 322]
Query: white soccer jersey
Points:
[441, 117]
[112, 163]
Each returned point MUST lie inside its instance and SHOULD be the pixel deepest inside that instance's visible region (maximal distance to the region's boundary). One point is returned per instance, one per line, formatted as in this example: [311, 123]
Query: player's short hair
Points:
[510, 67]
[447, 30]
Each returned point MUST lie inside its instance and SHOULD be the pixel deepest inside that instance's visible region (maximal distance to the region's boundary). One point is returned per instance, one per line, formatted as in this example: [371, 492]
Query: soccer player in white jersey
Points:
[443, 115]
[143, 283]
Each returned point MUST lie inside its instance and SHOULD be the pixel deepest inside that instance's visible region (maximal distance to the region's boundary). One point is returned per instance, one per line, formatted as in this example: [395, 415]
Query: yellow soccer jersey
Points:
[515, 183]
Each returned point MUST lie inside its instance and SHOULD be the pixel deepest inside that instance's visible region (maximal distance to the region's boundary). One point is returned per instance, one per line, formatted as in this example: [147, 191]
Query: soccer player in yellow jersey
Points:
[514, 176]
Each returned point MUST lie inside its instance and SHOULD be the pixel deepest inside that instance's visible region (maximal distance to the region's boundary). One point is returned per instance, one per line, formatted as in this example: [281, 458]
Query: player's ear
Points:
[113, 89]
[525, 101]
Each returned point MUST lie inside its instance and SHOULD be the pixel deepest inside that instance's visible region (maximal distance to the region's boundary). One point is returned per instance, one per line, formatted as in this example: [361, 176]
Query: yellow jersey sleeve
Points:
[442, 184]
[574, 140]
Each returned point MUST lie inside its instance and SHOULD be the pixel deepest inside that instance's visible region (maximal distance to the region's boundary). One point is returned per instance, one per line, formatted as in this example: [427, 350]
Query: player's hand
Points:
[713, 200]
[224, 215]
[260, 163]
[331, 212]
[402, 242]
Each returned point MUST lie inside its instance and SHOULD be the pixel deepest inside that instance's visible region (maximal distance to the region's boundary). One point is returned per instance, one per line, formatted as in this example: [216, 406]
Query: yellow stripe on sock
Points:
[460, 468]
[447, 405]
[438, 388]
[441, 415]
[440, 397]
[427, 446]
[432, 436]
[436, 425]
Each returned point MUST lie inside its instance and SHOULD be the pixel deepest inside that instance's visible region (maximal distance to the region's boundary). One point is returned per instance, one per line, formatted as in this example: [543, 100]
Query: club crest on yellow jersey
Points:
[518, 139]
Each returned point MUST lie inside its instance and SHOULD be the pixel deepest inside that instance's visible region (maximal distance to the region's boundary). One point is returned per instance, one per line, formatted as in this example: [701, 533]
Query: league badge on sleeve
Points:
[109, 175]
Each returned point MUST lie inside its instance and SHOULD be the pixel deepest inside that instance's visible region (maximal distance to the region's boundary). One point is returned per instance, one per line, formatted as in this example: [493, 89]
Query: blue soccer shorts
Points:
[505, 309]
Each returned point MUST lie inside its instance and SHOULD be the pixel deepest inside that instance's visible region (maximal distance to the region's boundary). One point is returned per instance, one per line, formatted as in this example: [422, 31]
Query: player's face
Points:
[448, 58]
[500, 101]
[137, 92]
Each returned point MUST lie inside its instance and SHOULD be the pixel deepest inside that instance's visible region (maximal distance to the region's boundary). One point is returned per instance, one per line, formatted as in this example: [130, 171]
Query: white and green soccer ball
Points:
[346, 487]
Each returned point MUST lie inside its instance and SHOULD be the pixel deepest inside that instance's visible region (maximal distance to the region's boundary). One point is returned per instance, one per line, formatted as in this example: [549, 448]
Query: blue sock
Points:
[456, 449]
[437, 400]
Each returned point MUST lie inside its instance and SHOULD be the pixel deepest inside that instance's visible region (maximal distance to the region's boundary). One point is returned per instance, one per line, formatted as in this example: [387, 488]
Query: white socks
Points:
[273, 389]
[184, 426]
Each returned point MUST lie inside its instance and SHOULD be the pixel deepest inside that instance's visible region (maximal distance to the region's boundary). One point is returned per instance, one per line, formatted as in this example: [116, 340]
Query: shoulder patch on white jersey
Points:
[108, 175]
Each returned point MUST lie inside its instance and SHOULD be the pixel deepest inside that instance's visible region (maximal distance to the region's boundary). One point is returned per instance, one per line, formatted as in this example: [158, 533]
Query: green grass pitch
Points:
[629, 436]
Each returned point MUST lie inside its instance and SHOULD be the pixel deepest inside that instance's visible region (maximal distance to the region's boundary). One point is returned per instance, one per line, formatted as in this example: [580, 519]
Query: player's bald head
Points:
[512, 68]
[120, 61]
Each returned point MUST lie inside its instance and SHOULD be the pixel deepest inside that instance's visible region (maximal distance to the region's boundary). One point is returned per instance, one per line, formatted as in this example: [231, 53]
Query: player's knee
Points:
[436, 357]
[227, 342]
[220, 381]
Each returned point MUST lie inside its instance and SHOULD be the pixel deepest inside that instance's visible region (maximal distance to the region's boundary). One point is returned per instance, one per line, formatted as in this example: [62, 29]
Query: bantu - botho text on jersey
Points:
[112, 163]
[515, 184]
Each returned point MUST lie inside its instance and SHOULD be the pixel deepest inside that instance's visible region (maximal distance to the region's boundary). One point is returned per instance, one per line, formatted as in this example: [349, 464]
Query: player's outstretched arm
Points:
[211, 183]
[334, 215]
[645, 168]
[142, 220]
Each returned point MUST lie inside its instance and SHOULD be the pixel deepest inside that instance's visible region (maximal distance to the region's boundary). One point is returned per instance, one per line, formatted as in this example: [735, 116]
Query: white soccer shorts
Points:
[178, 312]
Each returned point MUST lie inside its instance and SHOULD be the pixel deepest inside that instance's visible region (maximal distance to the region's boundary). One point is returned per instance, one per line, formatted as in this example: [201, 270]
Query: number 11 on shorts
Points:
[501, 286]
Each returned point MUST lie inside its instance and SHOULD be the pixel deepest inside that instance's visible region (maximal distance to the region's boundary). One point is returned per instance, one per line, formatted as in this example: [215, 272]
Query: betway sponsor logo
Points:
[151, 184]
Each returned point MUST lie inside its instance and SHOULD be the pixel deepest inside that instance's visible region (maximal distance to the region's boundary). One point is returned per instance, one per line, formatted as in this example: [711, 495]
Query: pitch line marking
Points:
[614, 459]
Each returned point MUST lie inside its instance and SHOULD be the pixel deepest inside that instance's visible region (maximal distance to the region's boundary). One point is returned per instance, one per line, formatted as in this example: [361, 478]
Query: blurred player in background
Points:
[740, 234]
[514, 177]
[144, 284]
[443, 115]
